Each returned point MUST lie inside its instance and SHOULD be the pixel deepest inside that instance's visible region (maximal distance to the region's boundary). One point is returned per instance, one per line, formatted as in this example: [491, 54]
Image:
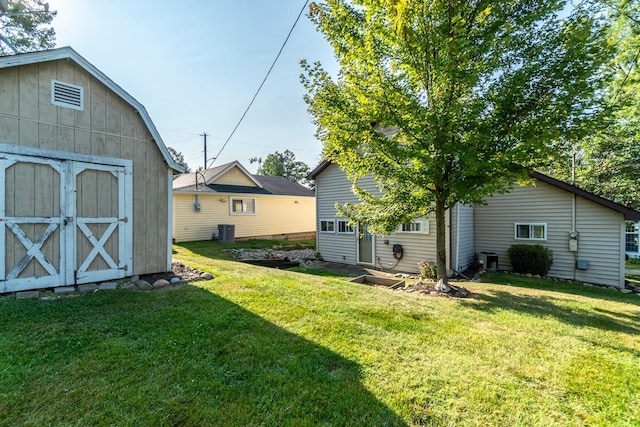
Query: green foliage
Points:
[282, 164]
[27, 26]
[178, 157]
[533, 259]
[608, 161]
[428, 269]
[446, 102]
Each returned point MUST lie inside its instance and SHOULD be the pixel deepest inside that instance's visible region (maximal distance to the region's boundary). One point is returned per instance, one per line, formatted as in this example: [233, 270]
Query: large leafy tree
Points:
[608, 162]
[178, 157]
[284, 164]
[27, 26]
[446, 102]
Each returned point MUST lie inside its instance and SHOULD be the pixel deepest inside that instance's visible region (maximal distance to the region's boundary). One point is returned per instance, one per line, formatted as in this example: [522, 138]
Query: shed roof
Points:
[68, 53]
[629, 214]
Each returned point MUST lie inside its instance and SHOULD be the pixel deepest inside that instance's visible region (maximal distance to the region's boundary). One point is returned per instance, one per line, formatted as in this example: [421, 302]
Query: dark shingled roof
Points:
[273, 185]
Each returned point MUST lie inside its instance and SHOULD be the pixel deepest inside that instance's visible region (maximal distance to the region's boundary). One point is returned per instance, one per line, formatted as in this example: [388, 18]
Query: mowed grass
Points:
[258, 346]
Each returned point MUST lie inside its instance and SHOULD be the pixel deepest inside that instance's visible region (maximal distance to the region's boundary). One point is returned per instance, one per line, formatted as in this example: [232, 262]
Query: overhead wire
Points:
[261, 84]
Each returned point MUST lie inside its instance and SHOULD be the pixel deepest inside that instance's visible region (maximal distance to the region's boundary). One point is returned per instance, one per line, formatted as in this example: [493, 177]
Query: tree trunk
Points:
[441, 242]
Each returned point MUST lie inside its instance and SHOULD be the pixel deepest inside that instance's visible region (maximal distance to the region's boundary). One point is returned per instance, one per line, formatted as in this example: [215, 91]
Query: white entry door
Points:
[62, 222]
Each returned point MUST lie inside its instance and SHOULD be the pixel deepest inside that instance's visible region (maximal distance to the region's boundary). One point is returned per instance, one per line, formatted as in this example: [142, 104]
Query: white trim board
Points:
[62, 155]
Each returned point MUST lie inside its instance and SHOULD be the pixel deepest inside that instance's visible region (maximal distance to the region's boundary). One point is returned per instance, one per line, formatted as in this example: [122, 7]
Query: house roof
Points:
[629, 214]
[68, 53]
[318, 169]
[209, 176]
[268, 185]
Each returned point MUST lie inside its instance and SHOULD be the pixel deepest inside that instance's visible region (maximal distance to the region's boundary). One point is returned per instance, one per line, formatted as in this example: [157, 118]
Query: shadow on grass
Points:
[541, 306]
[179, 357]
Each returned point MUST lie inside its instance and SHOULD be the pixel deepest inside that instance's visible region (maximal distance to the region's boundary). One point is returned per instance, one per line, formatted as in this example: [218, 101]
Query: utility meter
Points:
[573, 241]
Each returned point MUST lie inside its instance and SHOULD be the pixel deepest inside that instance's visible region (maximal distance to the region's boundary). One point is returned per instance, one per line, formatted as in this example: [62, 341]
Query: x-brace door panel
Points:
[63, 222]
[102, 212]
[32, 235]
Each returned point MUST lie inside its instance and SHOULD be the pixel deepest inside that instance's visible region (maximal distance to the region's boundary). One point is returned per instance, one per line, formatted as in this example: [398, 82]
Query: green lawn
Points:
[257, 346]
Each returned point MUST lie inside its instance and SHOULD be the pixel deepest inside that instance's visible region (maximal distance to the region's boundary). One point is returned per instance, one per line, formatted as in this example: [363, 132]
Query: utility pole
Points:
[205, 149]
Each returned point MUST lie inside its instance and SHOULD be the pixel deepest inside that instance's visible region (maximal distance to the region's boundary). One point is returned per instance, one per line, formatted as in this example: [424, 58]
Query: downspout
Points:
[458, 237]
[573, 212]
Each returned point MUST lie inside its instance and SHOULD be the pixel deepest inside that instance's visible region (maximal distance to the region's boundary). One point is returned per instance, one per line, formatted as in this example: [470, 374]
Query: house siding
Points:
[235, 176]
[275, 215]
[107, 126]
[332, 186]
[599, 227]
[466, 251]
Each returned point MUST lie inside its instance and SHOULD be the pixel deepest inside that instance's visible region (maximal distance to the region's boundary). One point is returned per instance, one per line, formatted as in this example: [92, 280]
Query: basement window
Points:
[534, 231]
[243, 206]
[67, 95]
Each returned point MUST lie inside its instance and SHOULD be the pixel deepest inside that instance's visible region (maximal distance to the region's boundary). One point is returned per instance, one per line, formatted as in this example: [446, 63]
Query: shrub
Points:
[428, 270]
[533, 259]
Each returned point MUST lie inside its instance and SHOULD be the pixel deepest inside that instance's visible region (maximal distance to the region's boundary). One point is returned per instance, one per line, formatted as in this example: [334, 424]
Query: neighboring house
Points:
[257, 206]
[585, 232]
[85, 179]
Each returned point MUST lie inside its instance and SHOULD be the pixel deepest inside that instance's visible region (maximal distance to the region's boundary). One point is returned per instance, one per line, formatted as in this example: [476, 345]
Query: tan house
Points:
[84, 176]
[255, 206]
[585, 232]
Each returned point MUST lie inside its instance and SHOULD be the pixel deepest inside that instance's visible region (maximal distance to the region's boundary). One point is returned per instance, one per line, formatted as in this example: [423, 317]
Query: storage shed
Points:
[85, 179]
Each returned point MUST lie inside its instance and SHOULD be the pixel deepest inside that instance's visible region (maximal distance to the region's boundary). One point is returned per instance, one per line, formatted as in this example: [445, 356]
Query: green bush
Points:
[533, 259]
[428, 270]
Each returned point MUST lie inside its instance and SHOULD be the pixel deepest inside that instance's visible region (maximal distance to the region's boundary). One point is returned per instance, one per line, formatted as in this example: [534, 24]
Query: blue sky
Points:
[195, 66]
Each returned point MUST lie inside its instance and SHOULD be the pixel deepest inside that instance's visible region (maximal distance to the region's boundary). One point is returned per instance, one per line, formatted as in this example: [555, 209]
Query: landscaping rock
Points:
[87, 287]
[442, 287]
[626, 291]
[143, 285]
[27, 294]
[206, 276]
[64, 290]
[161, 283]
[108, 286]
[174, 280]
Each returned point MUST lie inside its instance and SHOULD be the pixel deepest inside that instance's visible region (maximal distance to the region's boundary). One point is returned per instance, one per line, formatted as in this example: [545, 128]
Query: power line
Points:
[261, 84]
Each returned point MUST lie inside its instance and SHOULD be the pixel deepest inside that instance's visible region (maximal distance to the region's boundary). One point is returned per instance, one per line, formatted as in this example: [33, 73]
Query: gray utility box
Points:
[489, 260]
[226, 233]
[582, 264]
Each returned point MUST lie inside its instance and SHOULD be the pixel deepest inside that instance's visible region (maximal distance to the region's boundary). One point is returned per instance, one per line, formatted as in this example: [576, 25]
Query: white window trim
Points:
[346, 223]
[327, 221]
[232, 212]
[424, 227]
[530, 224]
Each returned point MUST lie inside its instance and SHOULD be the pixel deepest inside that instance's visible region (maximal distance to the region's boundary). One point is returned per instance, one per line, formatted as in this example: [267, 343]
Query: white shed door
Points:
[62, 222]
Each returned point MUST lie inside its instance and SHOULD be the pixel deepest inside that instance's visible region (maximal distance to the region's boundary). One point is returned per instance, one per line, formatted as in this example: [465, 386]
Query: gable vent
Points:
[66, 95]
